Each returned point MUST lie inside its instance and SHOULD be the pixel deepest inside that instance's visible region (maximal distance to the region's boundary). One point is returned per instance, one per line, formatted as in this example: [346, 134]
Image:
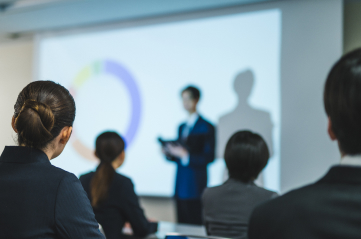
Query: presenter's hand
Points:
[127, 229]
[152, 220]
[164, 151]
[177, 151]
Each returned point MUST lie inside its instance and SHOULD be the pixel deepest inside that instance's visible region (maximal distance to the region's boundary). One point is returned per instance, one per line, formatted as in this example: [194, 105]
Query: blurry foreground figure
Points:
[331, 207]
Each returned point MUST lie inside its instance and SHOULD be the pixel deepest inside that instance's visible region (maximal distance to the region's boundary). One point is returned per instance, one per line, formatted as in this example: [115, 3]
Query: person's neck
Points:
[115, 165]
[355, 156]
[342, 154]
[49, 153]
[191, 112]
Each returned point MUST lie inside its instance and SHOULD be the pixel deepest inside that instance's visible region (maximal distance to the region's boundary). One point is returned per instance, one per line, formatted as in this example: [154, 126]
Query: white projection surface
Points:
[129, 80]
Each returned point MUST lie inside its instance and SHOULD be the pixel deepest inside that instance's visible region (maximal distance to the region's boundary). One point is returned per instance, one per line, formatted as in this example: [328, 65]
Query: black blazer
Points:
[38, 200]
[329, 208]
[120, 206]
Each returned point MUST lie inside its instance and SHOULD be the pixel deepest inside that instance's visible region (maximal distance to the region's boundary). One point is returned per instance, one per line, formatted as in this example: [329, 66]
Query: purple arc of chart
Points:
[115, 69]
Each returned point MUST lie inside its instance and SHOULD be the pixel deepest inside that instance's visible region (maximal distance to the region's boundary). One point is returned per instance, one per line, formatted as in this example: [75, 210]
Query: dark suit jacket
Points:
[191, 180]
[329, 208]
[227, 208]
[38, 200]
[120, 206]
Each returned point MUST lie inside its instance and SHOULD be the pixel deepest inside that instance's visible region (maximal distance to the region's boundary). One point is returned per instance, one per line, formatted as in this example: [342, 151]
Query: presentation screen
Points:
[129, 80]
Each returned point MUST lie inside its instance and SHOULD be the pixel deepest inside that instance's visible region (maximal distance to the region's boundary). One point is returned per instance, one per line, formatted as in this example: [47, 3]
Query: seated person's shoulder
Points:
[69, 177]
[65, 176]
[123, 180]
[287, 203]
[119, 176]
[86, 177]
[67, 183]
[55, 172]
[265, 192]
[210, 192]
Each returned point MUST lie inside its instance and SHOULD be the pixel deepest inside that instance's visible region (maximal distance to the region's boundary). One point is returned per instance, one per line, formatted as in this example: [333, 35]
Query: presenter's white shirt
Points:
[186, 130]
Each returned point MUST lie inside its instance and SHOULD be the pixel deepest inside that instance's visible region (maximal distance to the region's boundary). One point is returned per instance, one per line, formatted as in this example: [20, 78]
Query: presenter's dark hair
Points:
[342, 101]
[246, 155]
[194, 91]
[108, 146]
[41, 111]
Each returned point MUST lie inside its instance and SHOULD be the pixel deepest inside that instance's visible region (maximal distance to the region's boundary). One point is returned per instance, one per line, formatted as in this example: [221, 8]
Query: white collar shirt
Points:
[185, 132]
[351, 160]
[192, 120]
[190, 124]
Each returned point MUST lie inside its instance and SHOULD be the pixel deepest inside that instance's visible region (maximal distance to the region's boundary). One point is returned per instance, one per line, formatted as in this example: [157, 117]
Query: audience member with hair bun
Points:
[38, 200]
[112, 194]
[227, 208]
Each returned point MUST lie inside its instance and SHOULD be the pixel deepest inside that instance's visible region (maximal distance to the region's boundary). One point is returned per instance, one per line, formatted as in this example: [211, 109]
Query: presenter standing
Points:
[192, 153]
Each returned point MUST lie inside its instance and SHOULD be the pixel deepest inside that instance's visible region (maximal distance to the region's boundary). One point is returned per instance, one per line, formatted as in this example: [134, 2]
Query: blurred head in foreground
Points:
[342, 101]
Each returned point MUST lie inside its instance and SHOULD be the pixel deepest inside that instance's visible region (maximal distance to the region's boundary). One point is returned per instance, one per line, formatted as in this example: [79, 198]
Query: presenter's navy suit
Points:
[191, 179]
[38, 200]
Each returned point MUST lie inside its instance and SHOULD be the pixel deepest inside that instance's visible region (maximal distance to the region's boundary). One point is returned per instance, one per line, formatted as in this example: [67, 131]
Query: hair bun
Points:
[34, 122]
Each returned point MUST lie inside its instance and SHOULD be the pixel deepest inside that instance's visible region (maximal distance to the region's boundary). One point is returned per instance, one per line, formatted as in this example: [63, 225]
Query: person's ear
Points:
[13, 124]
[196, 102]
[119, 160]
[330, 130]
[65, 134]
[122, 157]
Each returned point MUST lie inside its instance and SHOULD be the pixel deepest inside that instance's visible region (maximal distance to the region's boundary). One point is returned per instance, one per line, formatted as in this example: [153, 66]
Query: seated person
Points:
[331, 207]
[111, 194]
[227, 208]
[37, 199]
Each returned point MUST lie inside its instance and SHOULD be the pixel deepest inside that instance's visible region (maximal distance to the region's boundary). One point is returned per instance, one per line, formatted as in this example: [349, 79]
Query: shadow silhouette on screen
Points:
[244, 117]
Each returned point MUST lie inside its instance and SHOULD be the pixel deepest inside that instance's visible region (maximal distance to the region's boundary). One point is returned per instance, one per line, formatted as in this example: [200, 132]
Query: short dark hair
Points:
[342, 101]
[246, 155]
[194, 91]
[41, 111]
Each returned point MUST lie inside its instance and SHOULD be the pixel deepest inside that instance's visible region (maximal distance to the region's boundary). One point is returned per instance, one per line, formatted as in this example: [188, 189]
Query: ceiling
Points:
[22, 16]
[7, 1]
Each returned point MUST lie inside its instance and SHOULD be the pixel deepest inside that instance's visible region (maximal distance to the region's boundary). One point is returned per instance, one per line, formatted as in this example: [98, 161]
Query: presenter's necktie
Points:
[185, 132]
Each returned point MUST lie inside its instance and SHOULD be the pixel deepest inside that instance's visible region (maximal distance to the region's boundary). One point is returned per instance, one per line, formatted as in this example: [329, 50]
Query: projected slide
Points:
[129, 80]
